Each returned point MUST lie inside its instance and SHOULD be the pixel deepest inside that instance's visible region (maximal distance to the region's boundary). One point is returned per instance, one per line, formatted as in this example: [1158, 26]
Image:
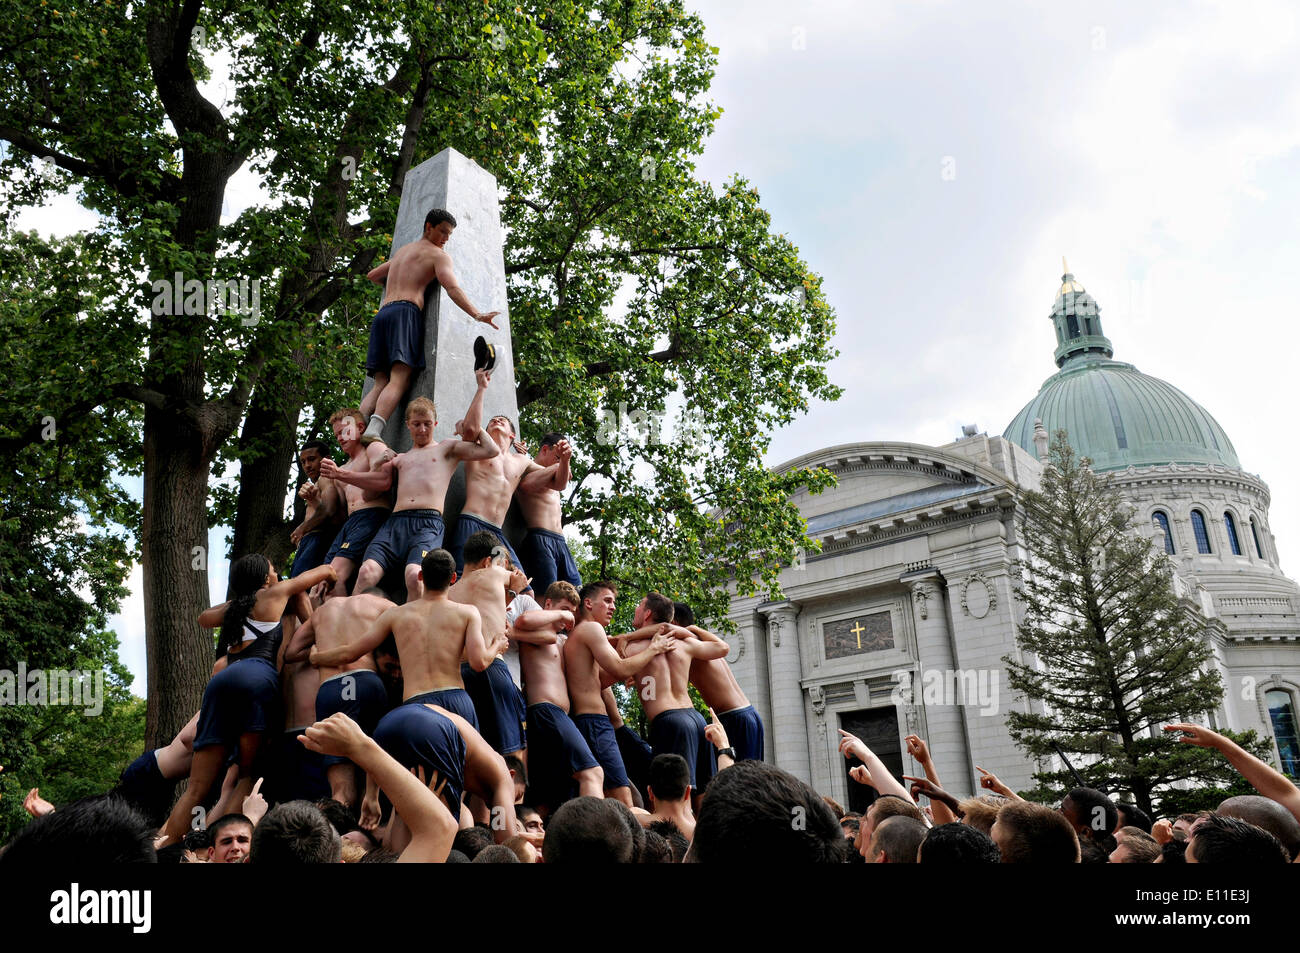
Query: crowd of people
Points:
[467, 712]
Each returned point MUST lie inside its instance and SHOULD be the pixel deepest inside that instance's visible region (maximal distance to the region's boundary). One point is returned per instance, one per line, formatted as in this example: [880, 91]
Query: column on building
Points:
[945, 730]
[788, 730]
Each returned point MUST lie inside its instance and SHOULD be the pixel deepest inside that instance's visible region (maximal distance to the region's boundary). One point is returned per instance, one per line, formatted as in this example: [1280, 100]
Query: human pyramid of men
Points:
[383, 731]
[469, 633]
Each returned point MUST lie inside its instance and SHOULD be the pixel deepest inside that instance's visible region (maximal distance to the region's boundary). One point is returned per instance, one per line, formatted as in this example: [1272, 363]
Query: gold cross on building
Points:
[858, 630]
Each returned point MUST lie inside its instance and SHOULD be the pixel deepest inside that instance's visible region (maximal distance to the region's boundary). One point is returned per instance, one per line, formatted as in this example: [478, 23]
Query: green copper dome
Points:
[1114, 414]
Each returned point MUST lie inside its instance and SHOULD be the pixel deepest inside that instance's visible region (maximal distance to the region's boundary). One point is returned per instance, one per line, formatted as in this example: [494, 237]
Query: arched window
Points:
[1231, 526]
[1281, 713]
[1198, 527]
[1073, 323]
[1254, 531]
[1162, 521]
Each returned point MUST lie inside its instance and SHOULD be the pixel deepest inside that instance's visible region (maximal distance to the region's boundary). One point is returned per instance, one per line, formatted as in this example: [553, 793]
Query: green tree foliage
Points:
[631, 283]
[1111, 653]
[65, 523]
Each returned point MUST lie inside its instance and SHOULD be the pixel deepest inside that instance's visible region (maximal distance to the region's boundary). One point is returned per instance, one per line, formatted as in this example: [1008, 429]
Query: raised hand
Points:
[662, 643]
[861, 775]
[918, 749]
[1163, 831]
[484, 377]
[486, 318]
[851, 746]
[329, 469]
[925, 786]
[370, 813]
[35, 805]
[337, 735]
[254, 806]
[1196, 735]
[714, 731]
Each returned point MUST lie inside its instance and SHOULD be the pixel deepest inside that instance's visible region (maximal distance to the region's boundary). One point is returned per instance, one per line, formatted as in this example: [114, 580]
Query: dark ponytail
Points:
[247, 577]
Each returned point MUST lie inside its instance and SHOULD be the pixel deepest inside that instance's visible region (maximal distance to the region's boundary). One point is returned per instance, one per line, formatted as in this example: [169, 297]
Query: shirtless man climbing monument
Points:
[397, 331]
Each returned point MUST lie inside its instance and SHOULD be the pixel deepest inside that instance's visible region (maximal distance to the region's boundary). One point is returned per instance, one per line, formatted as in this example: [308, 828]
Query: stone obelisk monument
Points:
[458, 184]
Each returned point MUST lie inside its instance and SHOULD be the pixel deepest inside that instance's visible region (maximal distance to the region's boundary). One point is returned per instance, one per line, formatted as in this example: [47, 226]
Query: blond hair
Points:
[345, 412]
[421, 405]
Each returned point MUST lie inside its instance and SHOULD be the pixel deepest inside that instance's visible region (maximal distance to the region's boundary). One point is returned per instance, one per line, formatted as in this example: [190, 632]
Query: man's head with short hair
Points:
[496, 854]
[957, 844]
[1130, 815]
[754, 812]
[437, 570]
[980, 812]
[560, 592]
[102, 829]
[519, 774]
[438, 226]
[1090, 812]
[421, 418]
[311, 455]
[596, 601]
[656, 849]
[1028, 833]
[471, 840]
[295, 832]
[683, 615]
[481, 549]
[895, 841]
[1184, 822]
[546, 450]
[674, 837]
[531, 820]
[669, 778]
[348, 425]
[1229, 840]
[885, 806]
[586, 831]
[655, 607]
[230, 838]
[1266, 814]
[1134, 846]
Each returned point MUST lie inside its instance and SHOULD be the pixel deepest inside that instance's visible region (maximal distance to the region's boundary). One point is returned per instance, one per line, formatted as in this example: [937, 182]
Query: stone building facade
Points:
[900, 624]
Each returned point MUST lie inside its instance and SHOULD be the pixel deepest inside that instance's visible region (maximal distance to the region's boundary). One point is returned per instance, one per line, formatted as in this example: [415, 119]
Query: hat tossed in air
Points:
[485, 355]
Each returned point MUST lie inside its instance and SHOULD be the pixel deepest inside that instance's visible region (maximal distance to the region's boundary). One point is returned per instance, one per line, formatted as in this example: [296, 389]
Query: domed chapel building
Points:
[899, 624]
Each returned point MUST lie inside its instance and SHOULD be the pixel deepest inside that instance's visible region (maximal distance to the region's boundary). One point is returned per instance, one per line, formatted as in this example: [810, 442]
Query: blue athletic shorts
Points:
[556, 752]
[744, 731]
[453, 699]
[416, 735]
[681, 731]
[396, 335]
[599, 734]
[242, 698]
[359, 694]
[499, 703]
[466, 526]
[310, 554]
[408, 535]
[357, 532]
[547, 558]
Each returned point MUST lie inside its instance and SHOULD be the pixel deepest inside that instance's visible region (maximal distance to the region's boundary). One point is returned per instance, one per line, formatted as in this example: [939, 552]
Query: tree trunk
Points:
[175, 524]
[259, 520]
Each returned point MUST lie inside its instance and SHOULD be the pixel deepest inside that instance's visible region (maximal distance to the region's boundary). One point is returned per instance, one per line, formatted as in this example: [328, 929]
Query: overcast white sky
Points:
[1153, 144]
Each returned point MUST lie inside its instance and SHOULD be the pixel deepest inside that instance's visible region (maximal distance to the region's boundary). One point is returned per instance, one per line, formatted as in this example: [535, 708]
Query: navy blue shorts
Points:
[143, 786]
[547, 558]
[310, 554]
[453, 699]
[243, 697]
[636, 758]
[416, 735]
[499, 703]
[357, 532]
[396, 335]
[744, 732]
[681, 731]
[466, 526]
[408, 535]
[599, 735]
[359, 694]
[557, 751]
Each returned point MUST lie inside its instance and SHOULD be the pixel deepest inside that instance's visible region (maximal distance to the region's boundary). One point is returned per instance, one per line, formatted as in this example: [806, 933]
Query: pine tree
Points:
[1110, 652]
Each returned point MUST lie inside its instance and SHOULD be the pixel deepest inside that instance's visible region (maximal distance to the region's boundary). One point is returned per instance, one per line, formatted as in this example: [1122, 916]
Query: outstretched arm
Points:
[851, 746]
[432, 827]
[920, 752]
[300, 645]
[990, 782]
[376, 478]
[471, 426]
[621, 668]
[1263, 777]
[379, 275]
[447, 278]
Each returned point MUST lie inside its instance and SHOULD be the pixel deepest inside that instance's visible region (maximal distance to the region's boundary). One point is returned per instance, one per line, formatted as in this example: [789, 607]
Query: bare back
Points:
[485, 589]
[423, 475]
[410, 271]
[340, 621]
[663, 682]
[717, 685]
[430, 636]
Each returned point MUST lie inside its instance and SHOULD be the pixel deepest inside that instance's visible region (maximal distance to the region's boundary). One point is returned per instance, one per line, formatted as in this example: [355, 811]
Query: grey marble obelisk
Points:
[458, 184]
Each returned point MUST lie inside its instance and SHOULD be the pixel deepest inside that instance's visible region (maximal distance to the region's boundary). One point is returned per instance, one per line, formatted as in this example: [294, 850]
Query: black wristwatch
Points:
[729, 752]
